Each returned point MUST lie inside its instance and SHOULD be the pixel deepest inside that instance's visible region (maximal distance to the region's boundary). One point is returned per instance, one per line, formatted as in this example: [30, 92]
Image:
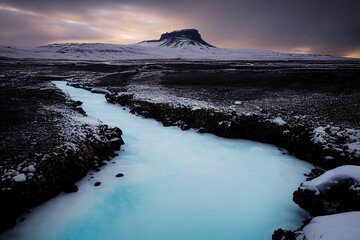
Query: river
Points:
[178, 185]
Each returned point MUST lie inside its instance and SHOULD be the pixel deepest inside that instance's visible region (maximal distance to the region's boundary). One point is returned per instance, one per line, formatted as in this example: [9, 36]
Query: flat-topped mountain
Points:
[179, 38]
[191, 34]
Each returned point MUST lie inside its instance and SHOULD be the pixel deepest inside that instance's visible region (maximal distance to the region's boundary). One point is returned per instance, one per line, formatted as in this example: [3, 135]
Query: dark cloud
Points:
[324, 26]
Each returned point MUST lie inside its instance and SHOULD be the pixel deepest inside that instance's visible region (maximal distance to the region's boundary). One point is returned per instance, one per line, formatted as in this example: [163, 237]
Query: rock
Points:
[202, 130]
[80, 110]
[97, 184]
[309, 201]
[281, 234]
[167, 122]
[184, 127]
[115, 143]
[338, 198]
[77, 103]
[109, 97]
[70, 188]
[315, 172]
[119, 175]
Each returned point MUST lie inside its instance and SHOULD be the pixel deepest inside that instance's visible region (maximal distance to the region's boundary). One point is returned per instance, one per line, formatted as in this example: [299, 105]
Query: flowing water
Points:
[177, 186]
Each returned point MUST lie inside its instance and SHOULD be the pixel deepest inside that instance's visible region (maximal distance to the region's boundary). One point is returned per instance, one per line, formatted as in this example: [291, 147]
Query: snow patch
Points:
[330, 177]
[344, 226]
[279, 121]
[319, 135]
[19, 178]
[31, 168]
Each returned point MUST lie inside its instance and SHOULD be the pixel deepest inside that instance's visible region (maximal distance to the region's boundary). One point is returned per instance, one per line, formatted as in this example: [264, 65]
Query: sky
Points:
[298, 26]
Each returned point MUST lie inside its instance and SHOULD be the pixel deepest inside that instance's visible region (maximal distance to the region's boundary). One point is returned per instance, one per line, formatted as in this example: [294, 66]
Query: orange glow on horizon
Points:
[355, 54]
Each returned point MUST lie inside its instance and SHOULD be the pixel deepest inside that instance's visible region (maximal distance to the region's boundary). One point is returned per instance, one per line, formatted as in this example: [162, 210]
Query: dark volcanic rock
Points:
[309, 201]
[71, 188]
[281, 234]
[166, 122]
[340, 196]
[115, 143]
[202, 130]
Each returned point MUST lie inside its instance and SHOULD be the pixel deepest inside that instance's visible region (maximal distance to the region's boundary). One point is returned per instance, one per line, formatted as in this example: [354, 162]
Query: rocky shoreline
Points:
[299, 140]
[47, 146]
[340, 197]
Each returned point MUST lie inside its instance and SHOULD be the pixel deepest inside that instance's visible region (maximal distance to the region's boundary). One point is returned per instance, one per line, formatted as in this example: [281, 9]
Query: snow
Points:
[31, 168]
[279, 121]
[319, 135]
[330, 177]
[338, 139]
[19, 178]
[149, 50]
[344, 226]
[177, 185]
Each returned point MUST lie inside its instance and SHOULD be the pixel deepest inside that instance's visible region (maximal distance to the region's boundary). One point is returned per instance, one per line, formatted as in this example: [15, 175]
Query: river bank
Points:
[47, 144]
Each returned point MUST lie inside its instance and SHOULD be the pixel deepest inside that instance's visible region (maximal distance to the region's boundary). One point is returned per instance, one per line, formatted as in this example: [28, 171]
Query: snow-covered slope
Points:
[149, 50]
[185, 44]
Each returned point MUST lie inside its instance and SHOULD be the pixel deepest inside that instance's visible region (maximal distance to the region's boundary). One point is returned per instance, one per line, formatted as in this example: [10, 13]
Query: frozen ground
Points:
[177, 185]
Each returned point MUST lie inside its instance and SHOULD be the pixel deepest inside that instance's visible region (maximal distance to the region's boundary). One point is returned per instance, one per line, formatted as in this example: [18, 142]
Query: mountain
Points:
[179, 38]
[184, 44]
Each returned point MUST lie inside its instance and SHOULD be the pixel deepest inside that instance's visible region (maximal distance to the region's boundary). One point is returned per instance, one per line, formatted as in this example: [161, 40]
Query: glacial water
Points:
[177, 186]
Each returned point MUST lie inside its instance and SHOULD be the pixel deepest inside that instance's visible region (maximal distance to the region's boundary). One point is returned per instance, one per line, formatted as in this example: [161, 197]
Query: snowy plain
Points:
[177, 185]
[149, 50]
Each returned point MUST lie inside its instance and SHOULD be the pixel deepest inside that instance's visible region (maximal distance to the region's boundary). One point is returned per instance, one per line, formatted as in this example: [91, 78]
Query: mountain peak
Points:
[191, 35]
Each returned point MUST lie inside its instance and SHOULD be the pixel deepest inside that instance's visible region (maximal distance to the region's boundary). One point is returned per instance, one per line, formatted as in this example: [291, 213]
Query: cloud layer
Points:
[321, 26]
